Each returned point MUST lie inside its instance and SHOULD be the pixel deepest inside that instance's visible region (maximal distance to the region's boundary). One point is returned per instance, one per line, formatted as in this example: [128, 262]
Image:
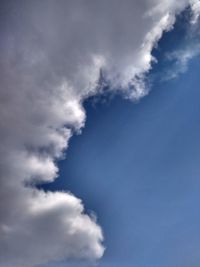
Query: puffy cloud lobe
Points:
[53, 217]
[51, 56]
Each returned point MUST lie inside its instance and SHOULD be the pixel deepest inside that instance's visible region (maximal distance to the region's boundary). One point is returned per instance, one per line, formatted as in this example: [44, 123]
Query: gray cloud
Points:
[51, 56]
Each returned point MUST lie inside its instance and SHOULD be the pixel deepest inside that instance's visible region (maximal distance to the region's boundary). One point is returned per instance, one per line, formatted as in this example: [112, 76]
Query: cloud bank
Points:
[51, 55]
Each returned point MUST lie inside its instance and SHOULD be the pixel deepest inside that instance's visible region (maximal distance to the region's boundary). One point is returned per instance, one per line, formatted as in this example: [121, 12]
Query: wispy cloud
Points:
[195, 7]
[181, 59]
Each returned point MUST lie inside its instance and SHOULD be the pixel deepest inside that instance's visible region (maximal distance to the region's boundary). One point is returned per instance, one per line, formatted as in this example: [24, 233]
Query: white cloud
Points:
[51, 56]
[181, 57]
[195, 7]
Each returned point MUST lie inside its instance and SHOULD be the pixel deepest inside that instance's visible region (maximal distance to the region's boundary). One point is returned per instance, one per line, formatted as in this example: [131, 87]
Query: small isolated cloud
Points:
[181, 59]
[51, 54]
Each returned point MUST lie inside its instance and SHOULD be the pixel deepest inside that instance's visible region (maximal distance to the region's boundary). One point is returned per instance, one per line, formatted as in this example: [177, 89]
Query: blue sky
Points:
[136, 165]
[99, 131]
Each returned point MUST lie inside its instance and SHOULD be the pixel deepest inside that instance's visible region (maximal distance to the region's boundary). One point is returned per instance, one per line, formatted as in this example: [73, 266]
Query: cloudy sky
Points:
[99, 133]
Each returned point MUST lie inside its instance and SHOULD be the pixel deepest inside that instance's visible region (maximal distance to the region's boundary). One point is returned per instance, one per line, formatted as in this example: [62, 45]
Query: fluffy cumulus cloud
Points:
[51, 55]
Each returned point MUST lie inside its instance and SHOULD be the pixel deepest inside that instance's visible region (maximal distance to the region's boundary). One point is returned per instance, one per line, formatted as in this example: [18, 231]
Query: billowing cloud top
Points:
[51, 55]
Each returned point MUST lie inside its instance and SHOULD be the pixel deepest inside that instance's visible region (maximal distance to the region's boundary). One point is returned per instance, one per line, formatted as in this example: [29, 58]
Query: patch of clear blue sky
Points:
[138, 167]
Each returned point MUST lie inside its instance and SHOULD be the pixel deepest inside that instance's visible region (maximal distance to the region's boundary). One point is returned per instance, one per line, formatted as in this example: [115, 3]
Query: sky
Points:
[99, 130]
